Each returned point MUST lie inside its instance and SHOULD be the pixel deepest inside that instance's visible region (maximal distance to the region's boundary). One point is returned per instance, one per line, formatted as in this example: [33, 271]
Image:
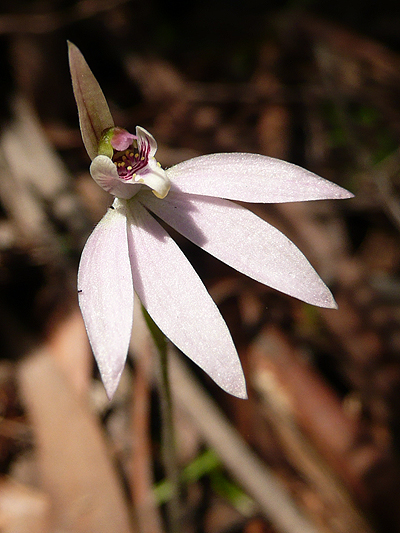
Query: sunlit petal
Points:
[251, 178]
[244, 241]
[106, 294]
[178, 302]
[155, 178]
[105, 174]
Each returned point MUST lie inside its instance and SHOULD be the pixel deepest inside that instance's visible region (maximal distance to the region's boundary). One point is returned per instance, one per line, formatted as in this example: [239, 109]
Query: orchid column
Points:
[129, 250]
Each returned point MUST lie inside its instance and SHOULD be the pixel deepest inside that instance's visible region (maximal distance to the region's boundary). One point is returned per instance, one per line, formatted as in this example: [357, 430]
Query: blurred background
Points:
[316, 446]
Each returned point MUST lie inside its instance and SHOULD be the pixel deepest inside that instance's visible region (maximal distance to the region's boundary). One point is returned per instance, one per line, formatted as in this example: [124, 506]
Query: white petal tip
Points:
[324, 304]
[242, 395]
[345, 194]
[111, 384]
[236, 386]
[330, 305]
[314, 291]
[326, 300]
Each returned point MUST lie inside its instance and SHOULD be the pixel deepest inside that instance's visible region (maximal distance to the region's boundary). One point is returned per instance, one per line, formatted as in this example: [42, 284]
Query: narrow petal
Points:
[244, 241]
[94, 114]
[146, 142]
[105, 174]
[154, 177]
[106, 295]
[178, 302]
[251, 178]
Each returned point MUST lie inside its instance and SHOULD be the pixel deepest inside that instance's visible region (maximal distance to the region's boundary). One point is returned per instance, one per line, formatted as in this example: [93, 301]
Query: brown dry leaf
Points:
[273, 130]
[22, 509]
[319, 439]
[70, 345]
[75, 465]
[32, 176]
[157, 79]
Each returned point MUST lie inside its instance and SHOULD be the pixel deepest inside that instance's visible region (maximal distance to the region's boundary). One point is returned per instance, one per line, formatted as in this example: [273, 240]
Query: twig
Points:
[168, 433]
[252, 474]
[141, 478]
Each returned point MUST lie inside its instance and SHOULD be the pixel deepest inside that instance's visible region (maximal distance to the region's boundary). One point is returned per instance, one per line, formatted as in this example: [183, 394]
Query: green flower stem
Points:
[169, 453]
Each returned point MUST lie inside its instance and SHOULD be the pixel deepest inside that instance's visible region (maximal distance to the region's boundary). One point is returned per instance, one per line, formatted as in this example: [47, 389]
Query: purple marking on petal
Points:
[146, 142]
[130, 162]
[134, 159]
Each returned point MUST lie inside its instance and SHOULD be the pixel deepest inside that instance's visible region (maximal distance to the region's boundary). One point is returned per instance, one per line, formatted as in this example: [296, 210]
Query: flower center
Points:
[130, 161]
[133, 157]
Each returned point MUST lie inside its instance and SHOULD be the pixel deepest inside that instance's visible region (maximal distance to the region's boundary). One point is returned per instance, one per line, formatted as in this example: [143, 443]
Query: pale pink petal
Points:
[94, 114]
[147, 144]
[105, 292]
[251, 178]
[155, 178]
[244, 241]
[104, 172]
[178, 302]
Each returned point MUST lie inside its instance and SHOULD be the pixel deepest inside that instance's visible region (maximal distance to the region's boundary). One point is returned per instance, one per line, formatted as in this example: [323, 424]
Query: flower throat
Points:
[129, 162]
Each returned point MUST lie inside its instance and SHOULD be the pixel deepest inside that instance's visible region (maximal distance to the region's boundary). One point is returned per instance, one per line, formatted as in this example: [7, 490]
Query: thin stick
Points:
[141, 477]
[168, 434]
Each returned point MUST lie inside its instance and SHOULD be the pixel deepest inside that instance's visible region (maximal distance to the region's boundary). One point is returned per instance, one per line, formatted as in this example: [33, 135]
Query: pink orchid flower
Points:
[130, 251]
